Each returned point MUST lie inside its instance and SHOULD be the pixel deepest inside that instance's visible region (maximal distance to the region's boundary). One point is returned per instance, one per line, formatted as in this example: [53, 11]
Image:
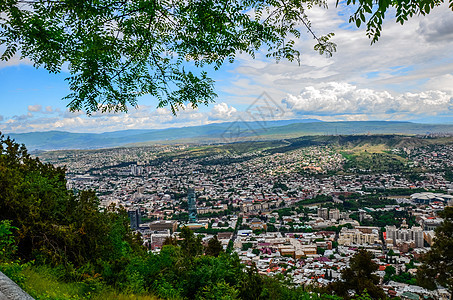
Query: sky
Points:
[406, 76]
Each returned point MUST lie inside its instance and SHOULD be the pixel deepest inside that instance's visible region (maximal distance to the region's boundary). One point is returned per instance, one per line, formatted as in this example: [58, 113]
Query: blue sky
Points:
[407, 75]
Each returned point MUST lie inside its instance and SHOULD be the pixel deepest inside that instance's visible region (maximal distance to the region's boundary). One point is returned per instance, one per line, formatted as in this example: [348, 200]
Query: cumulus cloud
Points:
[142, 117]
[337, 99]
[222, 111]
[34, 108]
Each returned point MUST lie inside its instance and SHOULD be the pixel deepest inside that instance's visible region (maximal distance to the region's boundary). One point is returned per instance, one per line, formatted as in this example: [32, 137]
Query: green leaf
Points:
[357, 22]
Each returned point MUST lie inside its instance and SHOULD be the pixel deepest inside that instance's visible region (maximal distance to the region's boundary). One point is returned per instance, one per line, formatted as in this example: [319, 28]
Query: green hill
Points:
[220, 133]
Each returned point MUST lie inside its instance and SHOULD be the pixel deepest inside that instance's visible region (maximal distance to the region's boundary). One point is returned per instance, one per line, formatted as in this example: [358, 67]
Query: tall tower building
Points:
[414, 234]
[134, 218]
[417, 236]
[391, 232]
[192, 201]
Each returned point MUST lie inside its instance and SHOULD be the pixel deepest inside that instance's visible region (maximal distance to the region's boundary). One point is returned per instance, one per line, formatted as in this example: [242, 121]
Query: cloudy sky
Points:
[407, 75]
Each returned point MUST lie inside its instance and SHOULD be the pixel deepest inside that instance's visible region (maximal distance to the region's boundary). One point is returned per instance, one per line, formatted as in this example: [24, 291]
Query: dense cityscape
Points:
[287, 208]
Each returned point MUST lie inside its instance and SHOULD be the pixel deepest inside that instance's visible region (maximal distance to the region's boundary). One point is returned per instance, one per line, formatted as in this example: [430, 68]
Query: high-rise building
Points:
[417, 236]
[391, 232]
[192, 201]
[414, 234]
[323, 213]
[334, 214]
[362, 215]
[134, 218]
[136, 170]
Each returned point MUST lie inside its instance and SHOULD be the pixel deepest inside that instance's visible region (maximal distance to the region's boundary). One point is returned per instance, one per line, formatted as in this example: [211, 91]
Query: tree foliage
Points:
[54, 224]
[359, 278]
[190, 244]
[117, 51]
[438, 262]
[7, 243]
[372, 13]
[214, 247]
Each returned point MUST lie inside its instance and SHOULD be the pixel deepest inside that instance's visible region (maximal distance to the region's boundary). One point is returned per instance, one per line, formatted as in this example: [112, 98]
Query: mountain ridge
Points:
[220, 133]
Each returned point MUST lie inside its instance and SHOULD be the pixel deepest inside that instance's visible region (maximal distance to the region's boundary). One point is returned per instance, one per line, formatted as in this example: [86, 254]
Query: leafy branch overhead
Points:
[372, 12]
[119, 50]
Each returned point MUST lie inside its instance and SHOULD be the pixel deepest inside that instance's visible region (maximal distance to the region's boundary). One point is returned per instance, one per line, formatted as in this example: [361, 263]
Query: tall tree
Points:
[438, 262]
[359, 278]
[190, 244]
[214, 247]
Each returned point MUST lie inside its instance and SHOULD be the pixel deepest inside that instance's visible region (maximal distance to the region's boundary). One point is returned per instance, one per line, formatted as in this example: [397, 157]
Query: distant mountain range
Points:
[219, 133]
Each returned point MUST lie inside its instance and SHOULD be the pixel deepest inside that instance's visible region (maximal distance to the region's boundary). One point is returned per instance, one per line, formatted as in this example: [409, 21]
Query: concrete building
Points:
[431, 223]
[323, 213]
[349, 237]
[334, 214]
[157, 239]
[402, 235]
[159, 225]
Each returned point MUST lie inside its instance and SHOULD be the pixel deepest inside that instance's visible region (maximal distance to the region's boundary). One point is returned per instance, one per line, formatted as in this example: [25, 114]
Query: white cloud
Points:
[28, 116]
[1, 118]
[340, 99]
[14, 61]
[222, 111]
[400, 61]
[443, 83]
[68, 114]
[143, 117]
[34, 108]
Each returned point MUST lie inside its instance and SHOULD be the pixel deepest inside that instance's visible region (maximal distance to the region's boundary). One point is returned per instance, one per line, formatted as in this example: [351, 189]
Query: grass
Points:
[42, 284]
[369, 148]
[117, 296]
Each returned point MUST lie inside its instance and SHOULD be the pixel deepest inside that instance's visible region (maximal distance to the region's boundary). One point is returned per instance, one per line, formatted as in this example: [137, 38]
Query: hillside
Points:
[220, 133]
